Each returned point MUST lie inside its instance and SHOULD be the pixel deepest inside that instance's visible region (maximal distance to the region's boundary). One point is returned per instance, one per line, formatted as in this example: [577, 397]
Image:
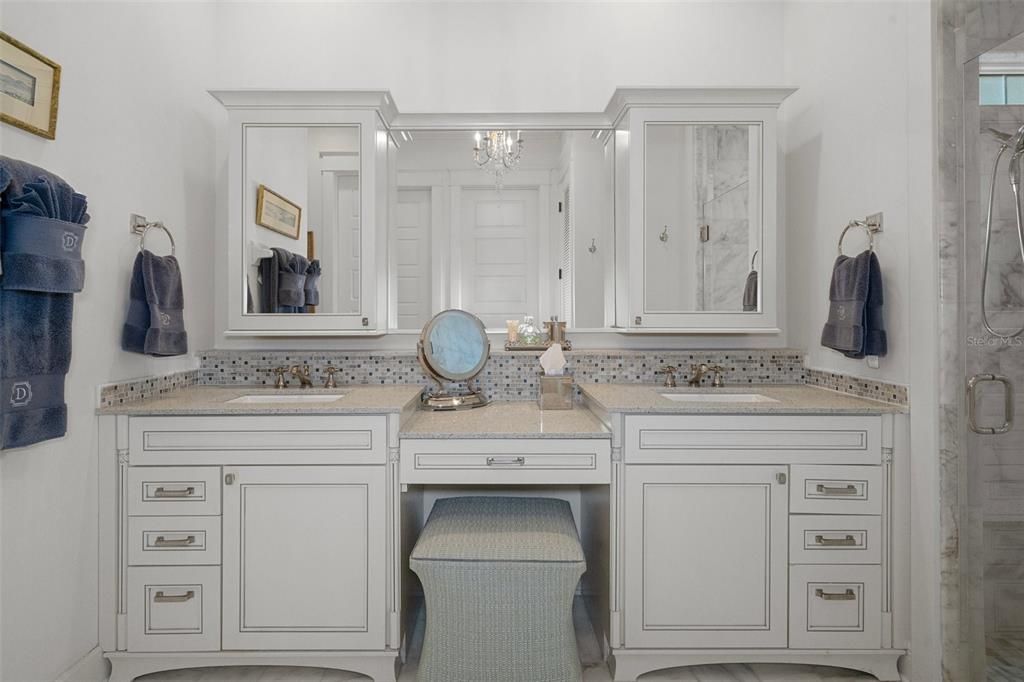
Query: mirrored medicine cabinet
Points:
[346, 217]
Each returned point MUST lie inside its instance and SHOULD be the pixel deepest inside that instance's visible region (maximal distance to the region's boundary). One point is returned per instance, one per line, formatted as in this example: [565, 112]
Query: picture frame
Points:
[29, 88]
[276, 213]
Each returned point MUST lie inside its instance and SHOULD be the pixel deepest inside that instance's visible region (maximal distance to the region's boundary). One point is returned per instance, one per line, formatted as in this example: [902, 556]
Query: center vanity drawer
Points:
[835, 539]
[505, 461]
[835, 490]
[174, 608]
[173, 540]
[173, 491]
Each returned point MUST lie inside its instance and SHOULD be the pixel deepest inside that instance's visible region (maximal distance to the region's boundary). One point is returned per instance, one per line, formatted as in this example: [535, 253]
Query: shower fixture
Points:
[1015, 143]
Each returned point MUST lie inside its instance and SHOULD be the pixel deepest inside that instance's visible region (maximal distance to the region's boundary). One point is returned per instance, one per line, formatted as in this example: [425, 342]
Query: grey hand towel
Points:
[42, 225]
[155, 323]
[855, 325]
[311, 287]
[291, 279]
[750, 292]
[283, 278]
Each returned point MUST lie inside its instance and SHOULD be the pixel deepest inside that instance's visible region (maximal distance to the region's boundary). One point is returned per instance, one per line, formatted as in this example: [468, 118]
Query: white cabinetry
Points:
[755, 539]
[706, 556]
[304, 557]
[235, 540]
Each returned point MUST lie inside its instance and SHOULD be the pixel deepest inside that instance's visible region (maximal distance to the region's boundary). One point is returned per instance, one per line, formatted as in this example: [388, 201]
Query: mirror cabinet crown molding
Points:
[690, 208]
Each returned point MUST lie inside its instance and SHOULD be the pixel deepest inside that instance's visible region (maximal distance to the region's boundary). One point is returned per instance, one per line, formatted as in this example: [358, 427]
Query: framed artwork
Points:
[29, 86]
[276, 213]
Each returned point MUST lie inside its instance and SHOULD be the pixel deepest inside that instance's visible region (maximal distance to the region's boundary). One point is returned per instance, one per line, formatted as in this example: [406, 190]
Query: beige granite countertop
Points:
[506, 420]
[213, 400]
[787, 399]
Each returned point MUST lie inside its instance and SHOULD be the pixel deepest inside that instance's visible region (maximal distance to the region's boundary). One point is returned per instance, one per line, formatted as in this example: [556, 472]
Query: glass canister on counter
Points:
[529, 333]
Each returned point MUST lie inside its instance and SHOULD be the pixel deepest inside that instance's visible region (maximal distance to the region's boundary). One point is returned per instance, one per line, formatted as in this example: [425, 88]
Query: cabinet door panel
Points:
[706, 556]
[304, 558]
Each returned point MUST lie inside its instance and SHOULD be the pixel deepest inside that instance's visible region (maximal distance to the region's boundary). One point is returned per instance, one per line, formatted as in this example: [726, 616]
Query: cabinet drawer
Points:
[835, 490]
[174, 608]
[752, 439]
[506, 461]
[257, 440]
[173, 491]
[835, 607]
[173, 540]
[835, 539]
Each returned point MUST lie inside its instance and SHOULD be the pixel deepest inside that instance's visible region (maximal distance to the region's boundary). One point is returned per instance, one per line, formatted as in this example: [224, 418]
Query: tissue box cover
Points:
[555, 393]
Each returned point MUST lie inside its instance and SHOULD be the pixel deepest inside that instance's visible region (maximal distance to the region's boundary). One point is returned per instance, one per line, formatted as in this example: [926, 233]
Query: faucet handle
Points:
[279, 381]
[670, 374]
[717, 370]
[329, 382]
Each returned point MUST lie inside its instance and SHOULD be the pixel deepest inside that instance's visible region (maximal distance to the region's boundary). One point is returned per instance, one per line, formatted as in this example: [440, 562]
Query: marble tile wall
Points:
[964, 29]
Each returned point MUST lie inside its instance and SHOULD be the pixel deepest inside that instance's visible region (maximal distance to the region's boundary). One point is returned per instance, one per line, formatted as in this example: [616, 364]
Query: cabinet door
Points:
[304, 557]
[706, 556]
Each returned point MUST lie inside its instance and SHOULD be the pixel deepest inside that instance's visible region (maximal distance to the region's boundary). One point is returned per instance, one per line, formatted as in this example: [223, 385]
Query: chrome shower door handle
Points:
[972, 400]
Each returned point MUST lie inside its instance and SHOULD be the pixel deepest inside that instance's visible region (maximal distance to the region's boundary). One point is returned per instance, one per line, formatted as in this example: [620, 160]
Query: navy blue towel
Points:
[856, 325]
[42, 225]
[155, 324]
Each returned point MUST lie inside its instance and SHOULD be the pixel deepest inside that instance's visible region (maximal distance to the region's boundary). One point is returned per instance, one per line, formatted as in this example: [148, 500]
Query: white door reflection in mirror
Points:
[497, 237]
[702, 215]
[410, 248]
[456, 241]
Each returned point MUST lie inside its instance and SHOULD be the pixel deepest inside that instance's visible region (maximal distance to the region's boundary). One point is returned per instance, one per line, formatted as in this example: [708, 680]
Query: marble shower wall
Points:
[964, 30]
[722, 158]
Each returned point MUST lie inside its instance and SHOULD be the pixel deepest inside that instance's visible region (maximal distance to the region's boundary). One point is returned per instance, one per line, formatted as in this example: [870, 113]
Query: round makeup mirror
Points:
[453, 347]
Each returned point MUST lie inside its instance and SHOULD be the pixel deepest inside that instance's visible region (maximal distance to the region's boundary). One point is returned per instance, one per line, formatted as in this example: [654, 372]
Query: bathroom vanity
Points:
[246, 526]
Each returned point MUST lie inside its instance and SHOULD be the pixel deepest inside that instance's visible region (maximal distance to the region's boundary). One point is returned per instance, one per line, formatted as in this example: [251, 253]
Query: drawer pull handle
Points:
[848, 595]
[848, 541]
[849, 489]
[174, 492]
[506, 461]
[161, 598]
[161, 541]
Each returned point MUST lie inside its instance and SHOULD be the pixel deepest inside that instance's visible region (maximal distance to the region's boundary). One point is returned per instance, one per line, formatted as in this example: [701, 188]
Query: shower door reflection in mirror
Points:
[302, 225]
[702, 217]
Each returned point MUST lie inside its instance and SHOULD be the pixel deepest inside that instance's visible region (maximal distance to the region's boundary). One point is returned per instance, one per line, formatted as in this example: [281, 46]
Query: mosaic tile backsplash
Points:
[129, 390]
[507, 376]
[895, 394]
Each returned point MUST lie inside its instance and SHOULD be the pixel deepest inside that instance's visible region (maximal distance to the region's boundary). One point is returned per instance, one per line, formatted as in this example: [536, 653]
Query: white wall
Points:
[847, 154]
[442, 57]
[857, 138]
[134, 133]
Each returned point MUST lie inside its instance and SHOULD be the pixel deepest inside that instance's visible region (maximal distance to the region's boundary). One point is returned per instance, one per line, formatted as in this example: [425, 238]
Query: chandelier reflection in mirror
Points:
[497, 152]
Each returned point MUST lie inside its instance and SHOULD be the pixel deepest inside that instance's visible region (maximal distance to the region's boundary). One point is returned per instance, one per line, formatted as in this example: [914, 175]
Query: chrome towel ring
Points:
[159, 226]
[872, 224]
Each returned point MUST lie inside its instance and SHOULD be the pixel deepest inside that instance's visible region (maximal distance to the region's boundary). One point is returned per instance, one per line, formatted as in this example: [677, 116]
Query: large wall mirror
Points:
[702, 217]
[302, 226]
[534, 240]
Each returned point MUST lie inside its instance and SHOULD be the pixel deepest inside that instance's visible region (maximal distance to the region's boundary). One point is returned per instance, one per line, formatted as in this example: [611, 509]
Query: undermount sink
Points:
[718, 398]
[276, 398]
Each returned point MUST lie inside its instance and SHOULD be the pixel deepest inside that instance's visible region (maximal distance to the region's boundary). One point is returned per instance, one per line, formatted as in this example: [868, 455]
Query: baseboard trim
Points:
[89, 668]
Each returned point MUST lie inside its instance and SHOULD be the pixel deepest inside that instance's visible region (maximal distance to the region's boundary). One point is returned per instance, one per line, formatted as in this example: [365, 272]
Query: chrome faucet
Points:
[670, 375]
[302, 375]
[698, 372]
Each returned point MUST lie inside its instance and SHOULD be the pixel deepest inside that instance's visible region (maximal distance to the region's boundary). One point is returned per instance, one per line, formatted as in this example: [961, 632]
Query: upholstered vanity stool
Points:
[499, 575]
